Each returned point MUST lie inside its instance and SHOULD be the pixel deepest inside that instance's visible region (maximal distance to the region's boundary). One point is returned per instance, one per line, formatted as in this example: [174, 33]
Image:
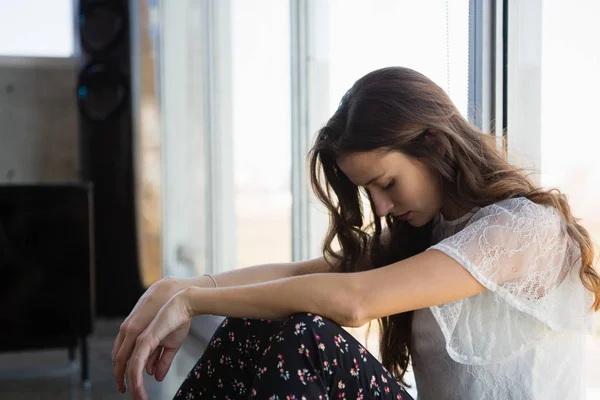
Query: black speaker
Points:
[103, 53]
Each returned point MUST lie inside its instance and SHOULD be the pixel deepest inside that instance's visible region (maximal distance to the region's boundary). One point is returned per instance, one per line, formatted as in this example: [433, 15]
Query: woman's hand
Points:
[167, 331]
[138, 320]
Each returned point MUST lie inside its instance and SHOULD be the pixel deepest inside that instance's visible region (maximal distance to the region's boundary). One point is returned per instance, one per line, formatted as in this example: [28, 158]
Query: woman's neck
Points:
[452, 210]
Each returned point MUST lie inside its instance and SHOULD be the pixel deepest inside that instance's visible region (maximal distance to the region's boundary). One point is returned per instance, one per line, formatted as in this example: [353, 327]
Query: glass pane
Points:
[178, 33]
[36, 28]
[429, 36]
[261, 130]
[570, 83]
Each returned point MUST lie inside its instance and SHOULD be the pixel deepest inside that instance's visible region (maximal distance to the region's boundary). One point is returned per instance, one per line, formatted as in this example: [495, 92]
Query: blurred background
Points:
[147, 138]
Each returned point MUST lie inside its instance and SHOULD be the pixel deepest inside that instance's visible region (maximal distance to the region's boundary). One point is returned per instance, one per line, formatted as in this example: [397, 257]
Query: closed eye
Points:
[389, 185]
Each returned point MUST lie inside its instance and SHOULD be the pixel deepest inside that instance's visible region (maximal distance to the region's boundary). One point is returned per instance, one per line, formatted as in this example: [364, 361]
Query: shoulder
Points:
[519, 212]
[513, 228]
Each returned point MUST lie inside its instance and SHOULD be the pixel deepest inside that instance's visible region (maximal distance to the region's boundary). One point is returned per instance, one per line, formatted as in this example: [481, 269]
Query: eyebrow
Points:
[373, 180]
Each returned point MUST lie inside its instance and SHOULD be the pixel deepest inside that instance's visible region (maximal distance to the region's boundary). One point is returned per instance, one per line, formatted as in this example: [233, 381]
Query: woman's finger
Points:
[153, 360]
[115, 351]
[122, 358]
[166, 359]
[144, 346]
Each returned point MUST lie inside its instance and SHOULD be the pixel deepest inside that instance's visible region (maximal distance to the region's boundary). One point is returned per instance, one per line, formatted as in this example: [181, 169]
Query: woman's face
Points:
[399, 185]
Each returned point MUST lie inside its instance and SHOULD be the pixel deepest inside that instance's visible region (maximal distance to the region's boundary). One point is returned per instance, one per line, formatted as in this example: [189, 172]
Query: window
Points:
[36, 28]
[569, 137]
[431, 37]
[261, 131]
[179, 50]
[553, 64]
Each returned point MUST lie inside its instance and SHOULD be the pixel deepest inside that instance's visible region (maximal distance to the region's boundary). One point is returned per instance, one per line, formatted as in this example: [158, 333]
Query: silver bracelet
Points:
[213, 279]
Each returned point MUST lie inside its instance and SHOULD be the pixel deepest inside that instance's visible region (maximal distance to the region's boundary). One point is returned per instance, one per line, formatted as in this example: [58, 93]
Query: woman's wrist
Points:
[196, 281]
[191, 296]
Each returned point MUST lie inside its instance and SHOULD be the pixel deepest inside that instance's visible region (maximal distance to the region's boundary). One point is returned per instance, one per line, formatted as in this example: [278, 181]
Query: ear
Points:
[431, 138]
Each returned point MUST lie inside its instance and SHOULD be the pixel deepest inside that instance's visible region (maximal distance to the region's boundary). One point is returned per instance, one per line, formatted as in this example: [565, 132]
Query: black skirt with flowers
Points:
[305, 357]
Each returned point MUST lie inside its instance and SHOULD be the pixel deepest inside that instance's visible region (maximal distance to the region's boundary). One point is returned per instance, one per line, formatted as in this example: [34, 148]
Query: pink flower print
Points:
[239, 387]
[354, 371]
[195, 371]
[317, 336]
[189, 396]
[340, 342]
[399, 397]
[383, 379]
[322, 346]
[373, 382]
[341, 385]
[261, 372]
[300, 328]
[216, 342]
[209, 368]
[326, 367]
[232, 336]
[386, 390]
[283, 374]
[301, 349]
[363, 353]
[375, 386]
[279, 337]
[319, 321]
[306, 376]
[360, 395]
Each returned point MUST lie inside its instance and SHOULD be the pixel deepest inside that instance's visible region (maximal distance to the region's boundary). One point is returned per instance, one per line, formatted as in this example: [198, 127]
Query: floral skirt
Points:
[304, 357]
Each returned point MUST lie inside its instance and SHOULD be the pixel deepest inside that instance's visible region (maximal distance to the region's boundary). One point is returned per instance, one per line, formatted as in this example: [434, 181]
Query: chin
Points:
[416, 224]
[419, 222]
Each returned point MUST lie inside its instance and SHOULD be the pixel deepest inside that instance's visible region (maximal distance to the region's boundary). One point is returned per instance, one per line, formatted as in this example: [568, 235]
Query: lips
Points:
[404, 216]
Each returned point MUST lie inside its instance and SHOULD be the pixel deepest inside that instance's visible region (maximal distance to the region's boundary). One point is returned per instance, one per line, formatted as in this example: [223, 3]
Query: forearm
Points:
[330, 295]
[259, 274]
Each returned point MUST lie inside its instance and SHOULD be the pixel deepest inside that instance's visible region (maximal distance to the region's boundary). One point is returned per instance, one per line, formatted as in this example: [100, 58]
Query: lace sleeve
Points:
[520, 251]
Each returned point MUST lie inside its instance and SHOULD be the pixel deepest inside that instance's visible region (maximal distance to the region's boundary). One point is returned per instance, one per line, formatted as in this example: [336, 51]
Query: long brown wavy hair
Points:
[393, 109]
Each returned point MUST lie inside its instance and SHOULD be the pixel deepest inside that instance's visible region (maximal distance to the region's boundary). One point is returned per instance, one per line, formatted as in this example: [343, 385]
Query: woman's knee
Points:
[299, 323]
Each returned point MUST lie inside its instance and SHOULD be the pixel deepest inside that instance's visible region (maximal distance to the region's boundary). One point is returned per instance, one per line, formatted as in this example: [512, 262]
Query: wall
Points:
[38, 120]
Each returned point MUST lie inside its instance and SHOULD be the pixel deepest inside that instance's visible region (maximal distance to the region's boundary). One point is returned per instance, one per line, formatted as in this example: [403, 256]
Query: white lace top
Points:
[523, 338]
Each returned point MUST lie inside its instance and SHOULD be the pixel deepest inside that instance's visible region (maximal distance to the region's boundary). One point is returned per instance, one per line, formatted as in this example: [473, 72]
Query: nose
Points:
[383, 204]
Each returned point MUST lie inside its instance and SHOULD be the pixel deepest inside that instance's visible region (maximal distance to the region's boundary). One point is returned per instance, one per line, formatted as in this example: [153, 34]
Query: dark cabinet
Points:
[46, 267]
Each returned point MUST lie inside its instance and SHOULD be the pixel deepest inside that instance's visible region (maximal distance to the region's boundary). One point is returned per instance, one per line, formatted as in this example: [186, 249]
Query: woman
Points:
[476, 275]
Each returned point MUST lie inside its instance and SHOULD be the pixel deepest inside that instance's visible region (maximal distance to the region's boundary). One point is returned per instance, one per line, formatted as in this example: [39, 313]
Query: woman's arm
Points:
[350, 299]
[264, 273]
[326, 294]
